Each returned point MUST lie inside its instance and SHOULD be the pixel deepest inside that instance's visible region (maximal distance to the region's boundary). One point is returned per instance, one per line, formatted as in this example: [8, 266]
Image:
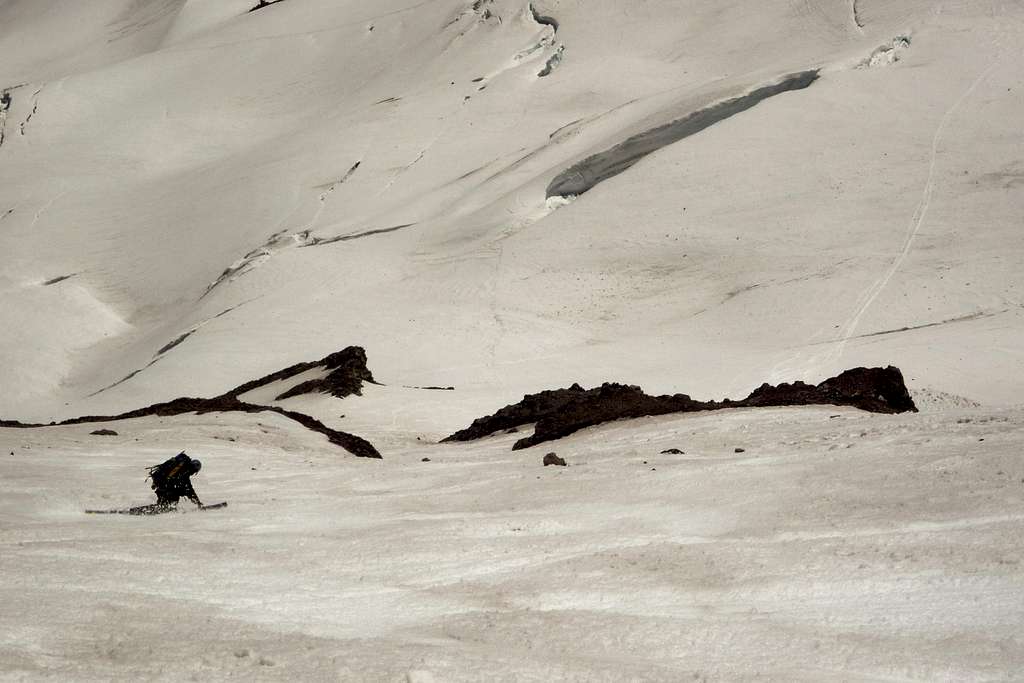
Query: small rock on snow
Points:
[553, 459]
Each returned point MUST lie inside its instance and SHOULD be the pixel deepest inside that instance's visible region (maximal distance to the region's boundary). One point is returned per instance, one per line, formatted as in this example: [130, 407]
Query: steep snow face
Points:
[239, 190]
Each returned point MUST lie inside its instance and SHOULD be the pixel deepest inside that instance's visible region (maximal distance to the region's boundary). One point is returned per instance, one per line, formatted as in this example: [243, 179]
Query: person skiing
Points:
[171, 481]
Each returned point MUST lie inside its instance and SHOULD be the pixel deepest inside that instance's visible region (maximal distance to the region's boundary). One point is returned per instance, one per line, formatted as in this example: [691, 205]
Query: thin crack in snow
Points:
[281, 239]
[5, 106]
[394, 176]
[170, 345]
[35, 108]
[854, 11]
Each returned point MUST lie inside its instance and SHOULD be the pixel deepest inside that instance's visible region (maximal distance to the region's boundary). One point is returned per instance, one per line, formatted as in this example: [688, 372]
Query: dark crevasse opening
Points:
[583, 176]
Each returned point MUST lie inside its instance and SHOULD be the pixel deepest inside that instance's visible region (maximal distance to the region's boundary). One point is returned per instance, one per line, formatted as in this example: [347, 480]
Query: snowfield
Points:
[501, 197]
[838, 545]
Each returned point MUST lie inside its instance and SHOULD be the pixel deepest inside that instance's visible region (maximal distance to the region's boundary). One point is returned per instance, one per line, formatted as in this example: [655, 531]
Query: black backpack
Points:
[161, 474]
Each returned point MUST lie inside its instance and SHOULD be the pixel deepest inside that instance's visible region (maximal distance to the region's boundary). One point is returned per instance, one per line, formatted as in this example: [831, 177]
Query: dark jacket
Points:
[171, 481]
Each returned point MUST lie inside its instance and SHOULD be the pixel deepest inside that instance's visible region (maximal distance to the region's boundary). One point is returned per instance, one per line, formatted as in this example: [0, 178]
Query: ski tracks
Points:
[871, 294]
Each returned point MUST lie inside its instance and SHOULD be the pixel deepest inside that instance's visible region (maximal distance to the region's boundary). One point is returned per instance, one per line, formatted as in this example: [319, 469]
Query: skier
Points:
[171, 481]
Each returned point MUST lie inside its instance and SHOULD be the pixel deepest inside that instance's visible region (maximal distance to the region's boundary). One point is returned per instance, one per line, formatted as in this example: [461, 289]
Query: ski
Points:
[150, 510]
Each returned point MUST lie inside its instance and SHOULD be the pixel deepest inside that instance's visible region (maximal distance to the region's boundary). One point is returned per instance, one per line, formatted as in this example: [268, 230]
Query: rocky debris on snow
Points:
[929, 400]
[103, 432]
[348, 371]
[609, 163]
[553, 459]
[561, 412]
[739, 450]
[672, 451]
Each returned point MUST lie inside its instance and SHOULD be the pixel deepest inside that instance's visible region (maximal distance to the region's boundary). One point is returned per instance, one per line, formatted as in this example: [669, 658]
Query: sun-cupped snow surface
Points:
[837, 545]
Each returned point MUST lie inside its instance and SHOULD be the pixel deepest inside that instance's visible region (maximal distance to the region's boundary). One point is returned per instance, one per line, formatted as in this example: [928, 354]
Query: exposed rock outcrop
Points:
[561, 412]
[347, 368]
[348, 371]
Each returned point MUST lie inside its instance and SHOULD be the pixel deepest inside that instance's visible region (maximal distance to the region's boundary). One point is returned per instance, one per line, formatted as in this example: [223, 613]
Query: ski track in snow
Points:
[869, 296]
[46, 207]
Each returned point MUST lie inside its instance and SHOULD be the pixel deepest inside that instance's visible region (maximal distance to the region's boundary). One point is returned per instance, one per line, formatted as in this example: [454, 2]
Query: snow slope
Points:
[838, 546]
[208, 145]
[193, 195]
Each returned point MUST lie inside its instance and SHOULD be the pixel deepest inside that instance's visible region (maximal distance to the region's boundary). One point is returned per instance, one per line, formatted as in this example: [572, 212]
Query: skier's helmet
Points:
[196, 466]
